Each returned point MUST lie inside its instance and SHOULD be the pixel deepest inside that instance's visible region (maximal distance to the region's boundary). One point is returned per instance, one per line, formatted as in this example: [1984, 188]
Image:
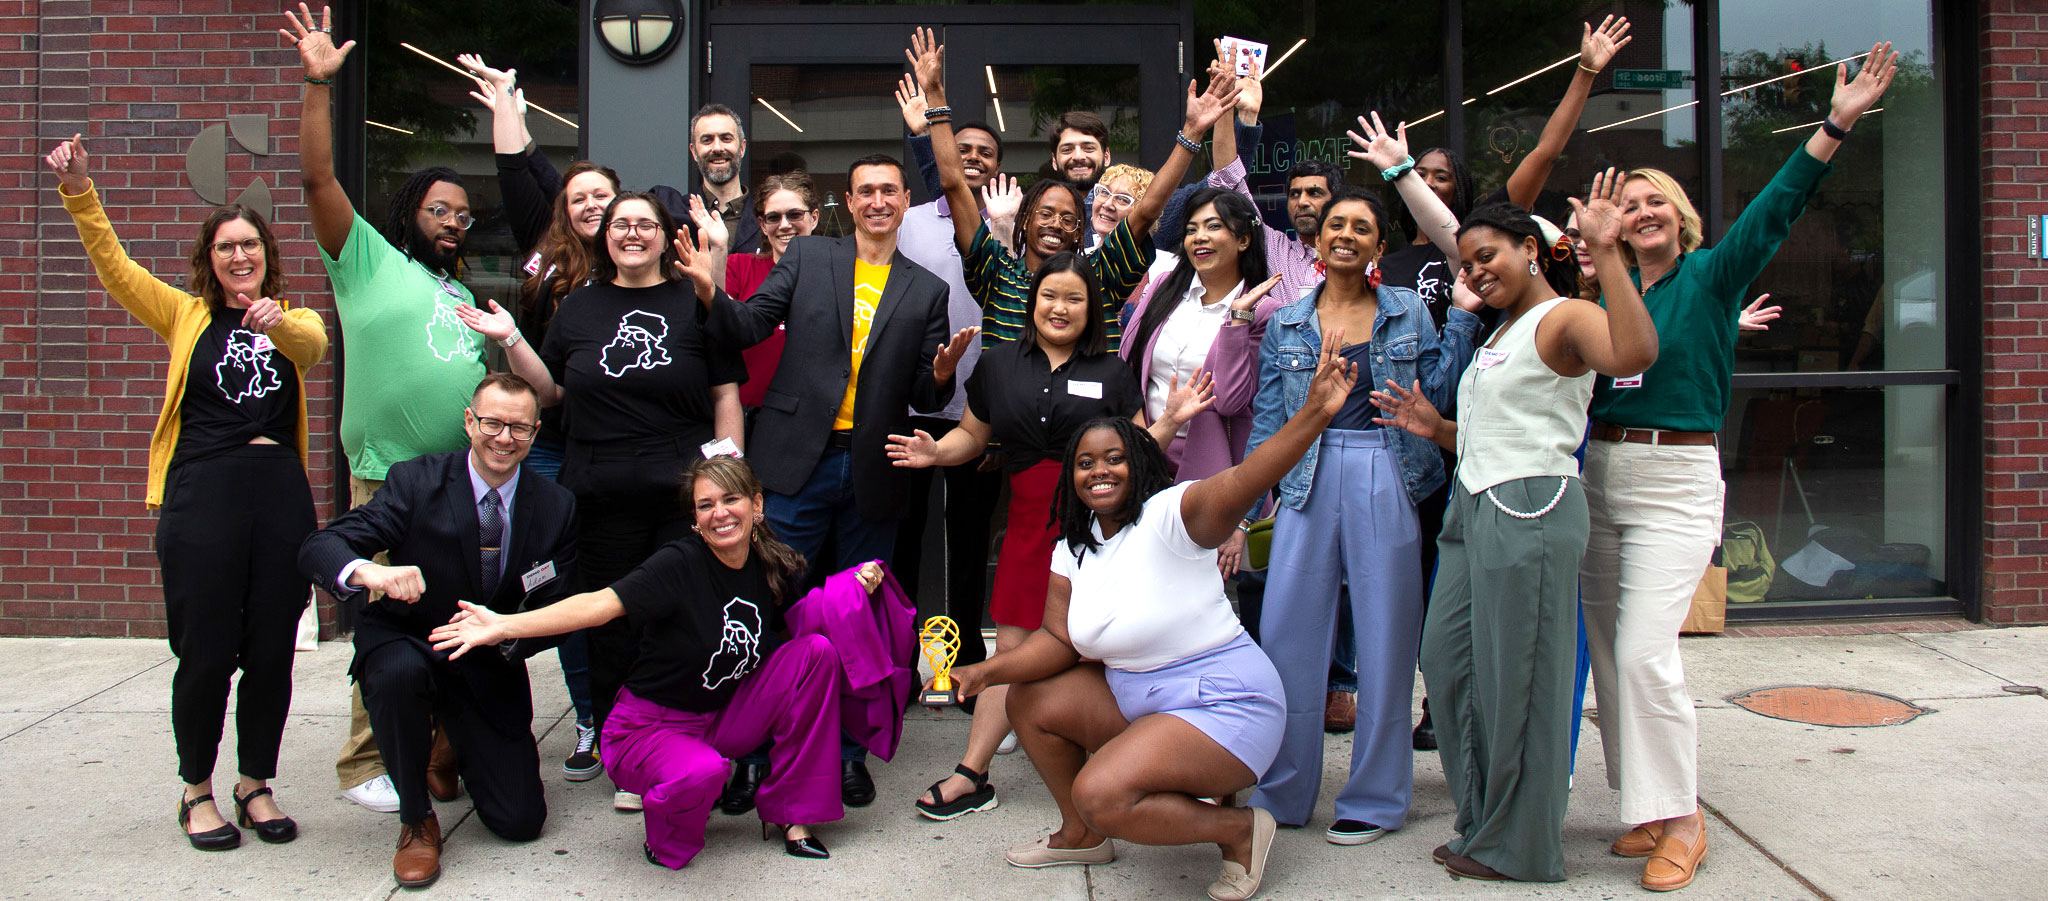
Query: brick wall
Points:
[2015, 184]
[80, 381]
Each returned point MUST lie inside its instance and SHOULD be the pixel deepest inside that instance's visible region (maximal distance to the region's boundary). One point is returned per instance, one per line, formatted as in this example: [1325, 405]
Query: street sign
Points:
[1649, 79]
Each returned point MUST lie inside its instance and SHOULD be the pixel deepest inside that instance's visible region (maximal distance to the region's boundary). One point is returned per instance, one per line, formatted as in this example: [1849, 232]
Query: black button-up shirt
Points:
[1033, 409]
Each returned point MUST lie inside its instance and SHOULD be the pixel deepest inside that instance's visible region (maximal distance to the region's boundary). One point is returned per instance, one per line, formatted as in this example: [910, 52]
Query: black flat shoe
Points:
[856, 787]
[808, 847]
[221, 838]
[275, 832]
[738, 797]
[1425, 732]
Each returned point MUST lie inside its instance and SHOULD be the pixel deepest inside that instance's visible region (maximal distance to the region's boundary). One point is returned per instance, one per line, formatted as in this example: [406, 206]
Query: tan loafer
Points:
[1041, 853]
[1238, 882]
[1638, 842]
[1672, 866]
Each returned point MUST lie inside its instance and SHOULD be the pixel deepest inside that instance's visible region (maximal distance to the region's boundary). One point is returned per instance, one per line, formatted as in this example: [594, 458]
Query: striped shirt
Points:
[1000, 282]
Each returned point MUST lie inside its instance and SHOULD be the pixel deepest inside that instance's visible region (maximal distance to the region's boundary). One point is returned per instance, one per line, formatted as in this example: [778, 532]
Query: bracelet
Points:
[1184, 141]
[311, 80]
[938, 112]
[1834, 131]
[945, 120]
[1588, 69]
[1242, 315]
[1398, 169]
[508, 342]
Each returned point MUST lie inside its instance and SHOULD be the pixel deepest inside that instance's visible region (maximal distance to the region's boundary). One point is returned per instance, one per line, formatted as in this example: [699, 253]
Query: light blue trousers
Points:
[1358, 525]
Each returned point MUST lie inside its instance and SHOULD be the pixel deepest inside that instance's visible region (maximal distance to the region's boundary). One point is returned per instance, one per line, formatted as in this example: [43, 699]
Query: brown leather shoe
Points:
[1672, 866]
[441, 782]
[1466, 868]
[1340, 712]
[1442, 854]
[1640, 841]
[418, 861]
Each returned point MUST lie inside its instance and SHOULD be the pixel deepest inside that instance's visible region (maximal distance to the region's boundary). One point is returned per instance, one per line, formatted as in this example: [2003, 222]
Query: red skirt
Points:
[1024, 565]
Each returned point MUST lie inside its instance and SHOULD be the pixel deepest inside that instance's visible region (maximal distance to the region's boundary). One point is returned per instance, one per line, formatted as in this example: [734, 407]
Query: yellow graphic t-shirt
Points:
[867, 292]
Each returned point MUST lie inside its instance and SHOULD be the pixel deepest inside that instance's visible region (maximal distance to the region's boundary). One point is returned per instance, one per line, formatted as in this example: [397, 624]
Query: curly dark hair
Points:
[401, 220]
[1150, 474]
[1517, 223]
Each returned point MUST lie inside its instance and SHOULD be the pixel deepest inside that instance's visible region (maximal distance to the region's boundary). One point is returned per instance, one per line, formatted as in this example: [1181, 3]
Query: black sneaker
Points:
[1353, 832]
[583, 765]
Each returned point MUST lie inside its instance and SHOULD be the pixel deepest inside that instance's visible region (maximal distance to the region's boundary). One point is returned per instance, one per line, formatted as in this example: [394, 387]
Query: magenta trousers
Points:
[677, 761]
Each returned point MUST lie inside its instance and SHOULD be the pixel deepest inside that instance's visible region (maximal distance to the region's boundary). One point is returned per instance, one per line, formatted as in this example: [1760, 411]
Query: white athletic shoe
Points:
[377, 794]
[1009, 745]
[625, 802]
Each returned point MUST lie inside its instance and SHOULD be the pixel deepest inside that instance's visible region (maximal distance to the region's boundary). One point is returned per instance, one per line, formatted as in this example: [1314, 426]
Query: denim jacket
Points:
[1405, 348]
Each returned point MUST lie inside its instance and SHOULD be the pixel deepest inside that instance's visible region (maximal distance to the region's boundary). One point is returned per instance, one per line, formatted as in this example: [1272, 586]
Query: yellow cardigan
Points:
[181, 318]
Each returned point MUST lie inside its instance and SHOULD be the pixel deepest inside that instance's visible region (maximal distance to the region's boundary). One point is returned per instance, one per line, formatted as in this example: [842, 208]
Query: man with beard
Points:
[411, 363]
[1080, 147]
[718, 145]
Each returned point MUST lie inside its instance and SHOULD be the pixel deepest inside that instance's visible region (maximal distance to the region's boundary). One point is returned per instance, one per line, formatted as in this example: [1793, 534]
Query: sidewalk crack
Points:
[1760, 849]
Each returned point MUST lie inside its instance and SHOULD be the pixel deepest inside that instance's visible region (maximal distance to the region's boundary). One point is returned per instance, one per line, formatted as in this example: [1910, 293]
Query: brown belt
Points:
[1604, 432]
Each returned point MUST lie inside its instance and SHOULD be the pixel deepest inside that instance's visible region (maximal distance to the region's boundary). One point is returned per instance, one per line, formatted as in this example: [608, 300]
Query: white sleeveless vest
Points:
[1517, 417]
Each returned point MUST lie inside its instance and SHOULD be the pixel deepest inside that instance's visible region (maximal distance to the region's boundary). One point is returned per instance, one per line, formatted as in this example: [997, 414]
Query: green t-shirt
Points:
[411, 364]
[999, 282]
[1695, 306]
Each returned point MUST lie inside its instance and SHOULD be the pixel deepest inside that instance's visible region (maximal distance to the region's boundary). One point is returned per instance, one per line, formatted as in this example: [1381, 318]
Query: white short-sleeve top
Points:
[1149, 596]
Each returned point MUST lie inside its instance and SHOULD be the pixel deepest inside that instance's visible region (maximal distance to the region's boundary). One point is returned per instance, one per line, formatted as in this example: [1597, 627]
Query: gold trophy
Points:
[939, 641]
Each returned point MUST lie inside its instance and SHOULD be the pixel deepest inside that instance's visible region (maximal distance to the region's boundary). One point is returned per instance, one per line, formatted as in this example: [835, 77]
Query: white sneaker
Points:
[625, 802]
[377, 794]
[1009, 745]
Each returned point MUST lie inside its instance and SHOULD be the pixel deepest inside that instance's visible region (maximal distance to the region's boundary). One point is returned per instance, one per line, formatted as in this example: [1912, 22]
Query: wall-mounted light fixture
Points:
[638, 32]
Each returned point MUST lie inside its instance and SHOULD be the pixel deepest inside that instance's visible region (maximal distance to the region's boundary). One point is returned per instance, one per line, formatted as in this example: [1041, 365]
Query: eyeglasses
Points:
[1118, 200]
[621, 226]
[495, 427]
[777, 218]
[226, 249]
[441, 213]
[1065, 221]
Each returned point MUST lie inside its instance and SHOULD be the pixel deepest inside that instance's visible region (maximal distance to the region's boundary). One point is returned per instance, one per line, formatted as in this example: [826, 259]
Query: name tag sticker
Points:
[263, 344]
[1634, 381]
[723, 447]
[1079, 388]
[540, 574]
[532, 266]
[1489, 358]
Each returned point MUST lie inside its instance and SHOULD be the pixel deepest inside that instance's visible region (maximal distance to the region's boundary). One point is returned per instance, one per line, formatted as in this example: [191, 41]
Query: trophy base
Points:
[934, 697]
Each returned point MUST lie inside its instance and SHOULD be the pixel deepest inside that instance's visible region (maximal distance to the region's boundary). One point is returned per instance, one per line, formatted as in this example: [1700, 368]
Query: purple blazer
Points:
[1216, 436]
[877, 642]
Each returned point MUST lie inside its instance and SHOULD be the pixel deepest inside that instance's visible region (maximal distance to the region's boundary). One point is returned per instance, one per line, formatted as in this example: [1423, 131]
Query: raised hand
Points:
[1206, 107]
[950, 353]
[911, 101]
[67, 161]
[1383, 149]
[694, 262]
[1462, 295]
[263, 315]
[474, 626]
[1407, 409]
[928, 59]
[1002, 198]
[1334, 377]
[914, 451]
[1598, 46]
[1184, 402]
[1756, 317]
[1250, 299]
[1600, 213]
[497, 324]
[712, 234]
[1854, 97]
[1251, 90]
[316, 44]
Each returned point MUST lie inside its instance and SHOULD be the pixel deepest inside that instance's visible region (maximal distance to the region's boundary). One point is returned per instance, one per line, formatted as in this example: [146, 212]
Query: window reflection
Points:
[1029, 99]
[845, 111]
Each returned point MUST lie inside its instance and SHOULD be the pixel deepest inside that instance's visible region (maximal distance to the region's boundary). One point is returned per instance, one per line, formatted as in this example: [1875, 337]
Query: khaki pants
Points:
[359, 761]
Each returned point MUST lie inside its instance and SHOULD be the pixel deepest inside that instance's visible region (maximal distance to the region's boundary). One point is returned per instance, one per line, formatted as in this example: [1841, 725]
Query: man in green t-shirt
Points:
[411, 363]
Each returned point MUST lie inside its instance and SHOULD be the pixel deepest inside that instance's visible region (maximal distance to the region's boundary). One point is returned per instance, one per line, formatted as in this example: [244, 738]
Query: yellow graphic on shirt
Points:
[868, 281]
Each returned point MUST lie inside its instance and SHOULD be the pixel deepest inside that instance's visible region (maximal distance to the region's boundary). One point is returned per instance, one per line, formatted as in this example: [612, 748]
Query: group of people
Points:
[709, 430]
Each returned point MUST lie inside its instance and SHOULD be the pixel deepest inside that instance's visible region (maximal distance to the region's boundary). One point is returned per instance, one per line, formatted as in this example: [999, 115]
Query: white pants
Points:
[1656, 516]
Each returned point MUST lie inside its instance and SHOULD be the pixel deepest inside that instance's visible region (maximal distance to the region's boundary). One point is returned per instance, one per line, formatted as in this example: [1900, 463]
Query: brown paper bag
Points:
[1709, 614]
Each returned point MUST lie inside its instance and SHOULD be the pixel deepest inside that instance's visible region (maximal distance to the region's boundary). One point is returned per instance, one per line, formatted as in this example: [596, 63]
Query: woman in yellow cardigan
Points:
[227, 473]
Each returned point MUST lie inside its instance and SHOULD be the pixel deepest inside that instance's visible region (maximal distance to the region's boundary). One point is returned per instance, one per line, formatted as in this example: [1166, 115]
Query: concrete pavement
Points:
[1925, 809]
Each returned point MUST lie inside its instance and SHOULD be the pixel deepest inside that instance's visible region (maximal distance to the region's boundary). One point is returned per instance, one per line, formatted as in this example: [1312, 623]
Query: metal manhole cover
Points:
[1821, 705]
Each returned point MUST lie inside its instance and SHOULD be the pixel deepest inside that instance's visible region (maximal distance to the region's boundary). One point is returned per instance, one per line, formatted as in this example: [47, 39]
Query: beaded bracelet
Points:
[1185, 141]
[938, 112]
[311, 80]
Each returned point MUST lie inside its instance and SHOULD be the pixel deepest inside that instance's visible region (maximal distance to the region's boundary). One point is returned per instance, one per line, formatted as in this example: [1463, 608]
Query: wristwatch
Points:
[510, 340]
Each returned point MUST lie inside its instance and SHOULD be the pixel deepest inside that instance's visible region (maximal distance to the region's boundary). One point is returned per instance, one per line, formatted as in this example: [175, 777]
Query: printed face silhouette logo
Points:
[243, 371]
[448, 338]
[637, 345]
[1430, 283]
[739, 645]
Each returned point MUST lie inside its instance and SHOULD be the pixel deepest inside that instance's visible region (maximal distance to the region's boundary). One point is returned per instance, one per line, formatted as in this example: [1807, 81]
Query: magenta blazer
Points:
[876, 636]
[1216, 437]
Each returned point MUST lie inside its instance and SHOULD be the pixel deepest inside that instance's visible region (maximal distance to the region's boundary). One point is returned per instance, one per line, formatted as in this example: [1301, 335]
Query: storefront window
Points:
[820, 118]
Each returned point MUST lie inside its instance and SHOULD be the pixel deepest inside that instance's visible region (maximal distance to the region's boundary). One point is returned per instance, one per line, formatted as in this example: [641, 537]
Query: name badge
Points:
[262, 343]
[532, 266]
[723, 447]
[540, 574]
[1634, 381]
[1489, 358]
[1085, 389]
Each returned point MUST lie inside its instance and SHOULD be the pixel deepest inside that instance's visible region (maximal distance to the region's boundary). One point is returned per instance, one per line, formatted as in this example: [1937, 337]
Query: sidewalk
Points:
[1950, 804]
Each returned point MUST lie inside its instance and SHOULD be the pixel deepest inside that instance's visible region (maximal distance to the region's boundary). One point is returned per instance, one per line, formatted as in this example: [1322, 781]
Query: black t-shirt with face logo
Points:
[636, 364]
[238, 387]
[703, 625]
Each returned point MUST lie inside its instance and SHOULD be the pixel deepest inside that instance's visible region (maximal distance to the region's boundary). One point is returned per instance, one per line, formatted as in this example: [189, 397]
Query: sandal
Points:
[983, 797]
[275, 831]
[220, 838]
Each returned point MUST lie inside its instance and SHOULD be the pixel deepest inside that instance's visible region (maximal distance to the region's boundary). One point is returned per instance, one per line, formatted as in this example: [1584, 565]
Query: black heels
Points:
[220, 838]
[275, 832]
[808, 847]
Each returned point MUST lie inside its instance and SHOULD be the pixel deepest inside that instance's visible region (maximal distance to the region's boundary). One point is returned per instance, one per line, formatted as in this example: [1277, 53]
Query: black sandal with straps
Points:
[936, 807]
[220, 838]
[274, 831]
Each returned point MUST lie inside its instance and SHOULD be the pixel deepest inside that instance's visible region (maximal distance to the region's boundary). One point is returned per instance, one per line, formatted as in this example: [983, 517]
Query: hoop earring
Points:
[1533, 270]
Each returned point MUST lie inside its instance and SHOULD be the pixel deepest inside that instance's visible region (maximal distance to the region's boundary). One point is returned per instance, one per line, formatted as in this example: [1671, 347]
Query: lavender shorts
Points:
[1232, 694]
